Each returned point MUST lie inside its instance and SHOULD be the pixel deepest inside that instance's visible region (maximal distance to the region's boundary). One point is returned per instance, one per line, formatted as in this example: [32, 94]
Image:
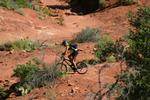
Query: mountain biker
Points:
[73, 48]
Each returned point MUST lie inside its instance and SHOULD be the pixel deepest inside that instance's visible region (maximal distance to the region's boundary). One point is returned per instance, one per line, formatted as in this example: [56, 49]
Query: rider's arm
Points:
[66, 50]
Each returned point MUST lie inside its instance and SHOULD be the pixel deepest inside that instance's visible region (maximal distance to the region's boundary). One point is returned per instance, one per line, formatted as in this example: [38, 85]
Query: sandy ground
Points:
[74, 86]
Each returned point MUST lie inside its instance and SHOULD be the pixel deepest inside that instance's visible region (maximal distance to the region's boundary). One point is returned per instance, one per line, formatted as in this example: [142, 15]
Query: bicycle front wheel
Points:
[82, 67]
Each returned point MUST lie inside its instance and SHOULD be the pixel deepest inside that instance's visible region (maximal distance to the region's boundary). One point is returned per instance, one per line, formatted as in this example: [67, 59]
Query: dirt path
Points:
[86, 86]
[113, 21]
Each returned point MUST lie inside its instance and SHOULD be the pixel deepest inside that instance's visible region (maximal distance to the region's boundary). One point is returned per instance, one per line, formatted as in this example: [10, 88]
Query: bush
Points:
[134, 83]
[32, 76]
[6, 47]
[41, 11]
[33, 4]
[141, 19]
[60, 20]
[126, 2]
[102, 4]
[111, 58]
[25, 70]
[3, 93]
[108, 50]
[104, 47]
[44, 76]
[14, 4]
[88, 35]
[23, 44]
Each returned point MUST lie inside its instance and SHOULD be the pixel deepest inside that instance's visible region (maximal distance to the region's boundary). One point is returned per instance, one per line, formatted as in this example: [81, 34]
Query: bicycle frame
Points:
[67, 61]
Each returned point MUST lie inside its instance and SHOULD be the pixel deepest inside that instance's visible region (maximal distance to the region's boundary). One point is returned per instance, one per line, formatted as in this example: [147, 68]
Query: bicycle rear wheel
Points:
[82, 67]
[62, 67]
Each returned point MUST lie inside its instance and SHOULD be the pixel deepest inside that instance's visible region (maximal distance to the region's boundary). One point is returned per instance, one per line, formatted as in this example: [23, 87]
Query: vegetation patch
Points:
[22, 44]
[104, 47]
[60, 20]
[44, 76]
[111, 58]
[42, 12]
[108, 50]
[14, 4]
[25, 70]
[126, 2]
[31, 76]
[87, 35]
[134, 82]
[102, 4]
[17, 6]
[3, 93]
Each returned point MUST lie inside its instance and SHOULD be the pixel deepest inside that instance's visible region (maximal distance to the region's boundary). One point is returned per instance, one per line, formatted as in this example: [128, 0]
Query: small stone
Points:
[113, 24]
[70, 84]
[57, 43]
[62, 94]
[11, 52]
[94, 49]
[74, 89]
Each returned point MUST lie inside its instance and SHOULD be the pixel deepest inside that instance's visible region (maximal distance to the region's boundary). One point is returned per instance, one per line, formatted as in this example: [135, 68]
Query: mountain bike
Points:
[66, 66]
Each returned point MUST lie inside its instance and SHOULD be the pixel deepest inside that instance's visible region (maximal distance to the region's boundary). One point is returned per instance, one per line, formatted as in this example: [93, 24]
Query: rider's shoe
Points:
[74, 69]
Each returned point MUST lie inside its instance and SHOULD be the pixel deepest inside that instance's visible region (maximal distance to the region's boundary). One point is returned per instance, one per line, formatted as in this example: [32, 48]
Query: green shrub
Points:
[14, 4]
[126, 2]
[5, 47]
[88, 35]
[130, 15]
[25, 70]
[38, 61]
[104, 47]
[42, 12]
[134, 83]
[3, 93]
[43, 76]
[33, 4]
[23, 44]
[141, 19]
[31, 76]
[102, 4]
[108, 49]
[104, 41]
[111, 58]
[60, 20]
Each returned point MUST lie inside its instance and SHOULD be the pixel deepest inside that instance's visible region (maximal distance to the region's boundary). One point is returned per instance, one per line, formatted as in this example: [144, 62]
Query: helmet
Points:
[74, 46]
[65, 42]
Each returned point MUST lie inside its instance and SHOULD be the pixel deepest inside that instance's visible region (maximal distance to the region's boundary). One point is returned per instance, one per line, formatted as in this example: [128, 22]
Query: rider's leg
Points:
[71, 58]
[74, 62]
[74, 55]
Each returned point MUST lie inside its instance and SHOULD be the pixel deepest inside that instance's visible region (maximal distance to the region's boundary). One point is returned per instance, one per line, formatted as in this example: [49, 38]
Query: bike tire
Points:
[82, 67]
[62, 67]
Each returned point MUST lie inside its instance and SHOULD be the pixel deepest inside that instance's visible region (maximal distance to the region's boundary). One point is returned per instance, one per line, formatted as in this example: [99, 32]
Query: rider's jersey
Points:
[73, 47]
